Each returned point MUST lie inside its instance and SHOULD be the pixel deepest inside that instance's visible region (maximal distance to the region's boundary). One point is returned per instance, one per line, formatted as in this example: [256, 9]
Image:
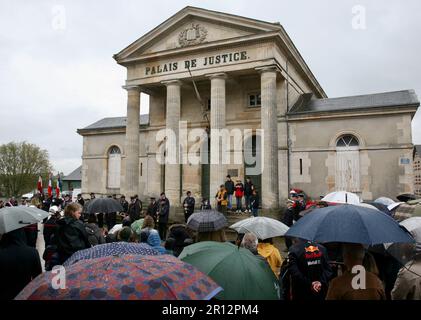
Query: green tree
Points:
[20, 166]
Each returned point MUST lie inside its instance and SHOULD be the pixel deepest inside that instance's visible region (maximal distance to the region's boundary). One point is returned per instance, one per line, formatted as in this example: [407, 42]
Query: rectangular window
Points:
[141, 169]
[254, 100]
[301, 167]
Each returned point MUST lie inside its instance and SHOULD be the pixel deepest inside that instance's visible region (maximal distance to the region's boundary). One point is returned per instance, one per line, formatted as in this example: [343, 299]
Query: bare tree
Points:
[20, 165]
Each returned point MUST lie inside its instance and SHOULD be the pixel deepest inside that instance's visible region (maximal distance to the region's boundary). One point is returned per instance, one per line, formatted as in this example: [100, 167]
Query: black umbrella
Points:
[103, 205]
[404, 197]
[350, 224]
[383, 208]
[207, 221]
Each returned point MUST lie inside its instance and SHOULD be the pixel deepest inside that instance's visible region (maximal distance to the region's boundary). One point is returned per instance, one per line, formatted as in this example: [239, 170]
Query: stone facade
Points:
[212, 71]
[417, 170]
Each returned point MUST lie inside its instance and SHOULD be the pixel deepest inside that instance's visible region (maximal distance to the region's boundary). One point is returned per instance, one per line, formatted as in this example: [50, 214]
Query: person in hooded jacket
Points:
[95, 233]
[19, 264]
[272, 255]
[71, 233]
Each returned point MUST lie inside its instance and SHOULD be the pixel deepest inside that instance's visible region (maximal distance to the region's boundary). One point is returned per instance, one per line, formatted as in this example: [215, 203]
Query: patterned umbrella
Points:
[111, 249]
[207, 221]
[127, 277]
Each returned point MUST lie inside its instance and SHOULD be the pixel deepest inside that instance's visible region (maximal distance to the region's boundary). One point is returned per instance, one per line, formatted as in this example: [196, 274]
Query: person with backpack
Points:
[71, 233]
[239, 193]
[95, 234]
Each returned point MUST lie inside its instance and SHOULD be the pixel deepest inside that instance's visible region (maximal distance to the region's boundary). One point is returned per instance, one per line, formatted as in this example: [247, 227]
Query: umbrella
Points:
[406, 252]
[111, 249]
[382, 207]
[349, 223]
[12, 218]
[103, 205]
[366, 205]
[404, 197]
[262, 227]
[342, 197]
[241, 274]
[126, 277]
[385, 201]
[405, 211]
[207, 221]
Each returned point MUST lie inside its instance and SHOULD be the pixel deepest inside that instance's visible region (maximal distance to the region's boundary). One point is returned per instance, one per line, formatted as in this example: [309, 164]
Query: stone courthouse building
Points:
[213, 70]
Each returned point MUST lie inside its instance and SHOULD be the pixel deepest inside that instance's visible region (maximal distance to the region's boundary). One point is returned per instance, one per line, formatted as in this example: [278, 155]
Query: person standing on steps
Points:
[248, 192]
[229, 186]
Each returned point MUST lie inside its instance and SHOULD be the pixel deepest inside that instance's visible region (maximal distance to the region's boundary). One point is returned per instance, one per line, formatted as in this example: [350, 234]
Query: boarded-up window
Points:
[114, 167]
[347, 164]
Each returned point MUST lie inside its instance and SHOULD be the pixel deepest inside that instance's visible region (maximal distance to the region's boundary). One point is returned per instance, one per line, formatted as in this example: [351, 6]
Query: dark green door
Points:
[252, 168]
[205, 170]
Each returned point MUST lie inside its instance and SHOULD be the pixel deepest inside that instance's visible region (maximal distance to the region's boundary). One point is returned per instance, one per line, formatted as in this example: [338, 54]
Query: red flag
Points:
[50, 187]
[58, 187]
[39, 184]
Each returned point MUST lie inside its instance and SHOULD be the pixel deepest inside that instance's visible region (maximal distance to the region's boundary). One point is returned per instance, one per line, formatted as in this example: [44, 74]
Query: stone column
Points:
[217, 122]
[132, 140]
[270, 197]
[172, 170]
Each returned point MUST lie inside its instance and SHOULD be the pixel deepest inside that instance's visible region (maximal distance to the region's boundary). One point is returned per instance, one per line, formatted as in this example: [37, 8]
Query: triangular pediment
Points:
[192, 27]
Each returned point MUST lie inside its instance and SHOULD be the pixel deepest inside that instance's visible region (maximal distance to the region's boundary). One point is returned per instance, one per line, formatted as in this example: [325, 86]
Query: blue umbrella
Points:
[351, 224]
[111, 249]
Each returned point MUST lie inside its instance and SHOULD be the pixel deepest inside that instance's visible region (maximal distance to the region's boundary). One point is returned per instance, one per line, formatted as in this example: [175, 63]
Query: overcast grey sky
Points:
[54, 80]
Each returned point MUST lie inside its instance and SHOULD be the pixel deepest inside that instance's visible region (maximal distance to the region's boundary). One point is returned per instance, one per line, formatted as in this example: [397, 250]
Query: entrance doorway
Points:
[253, 163]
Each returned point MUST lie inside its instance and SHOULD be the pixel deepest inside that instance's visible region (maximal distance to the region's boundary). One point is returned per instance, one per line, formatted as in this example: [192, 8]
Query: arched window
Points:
[114, 167]
[347, 164]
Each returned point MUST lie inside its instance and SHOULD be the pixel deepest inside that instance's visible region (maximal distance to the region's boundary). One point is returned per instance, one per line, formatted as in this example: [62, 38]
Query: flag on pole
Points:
[50, 186]
[58, 186]
[39, 184]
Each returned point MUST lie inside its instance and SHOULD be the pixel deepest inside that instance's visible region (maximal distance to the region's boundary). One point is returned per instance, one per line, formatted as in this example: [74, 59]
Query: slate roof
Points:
[116, 122]
[76, 175]
[306, 103]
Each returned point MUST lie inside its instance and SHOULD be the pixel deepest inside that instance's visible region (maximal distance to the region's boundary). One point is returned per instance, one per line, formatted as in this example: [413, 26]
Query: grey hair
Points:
[250, 241]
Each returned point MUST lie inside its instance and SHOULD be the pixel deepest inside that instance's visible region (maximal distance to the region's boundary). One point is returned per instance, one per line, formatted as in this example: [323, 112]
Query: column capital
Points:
[268, 68]
[172, 82]
[219, 75]
[132, 88]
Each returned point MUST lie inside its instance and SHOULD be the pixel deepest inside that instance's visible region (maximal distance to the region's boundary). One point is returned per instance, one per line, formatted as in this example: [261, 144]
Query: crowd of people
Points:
[309, 270]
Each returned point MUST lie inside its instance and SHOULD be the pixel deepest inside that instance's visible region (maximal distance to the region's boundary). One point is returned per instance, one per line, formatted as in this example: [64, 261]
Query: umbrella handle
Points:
[28, 223]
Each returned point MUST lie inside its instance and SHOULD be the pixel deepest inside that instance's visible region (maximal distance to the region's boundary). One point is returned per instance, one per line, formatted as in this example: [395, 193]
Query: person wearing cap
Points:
[124, 203]
[292, 213]
[152, 209]
[135, 208]
[80, 200]
[188, 205]
[221, 199]
[229, 186]
[50, 226]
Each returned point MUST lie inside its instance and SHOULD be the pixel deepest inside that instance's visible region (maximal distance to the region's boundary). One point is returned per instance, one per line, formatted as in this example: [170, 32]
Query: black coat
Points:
[135, 209]
[254, 201]
[308, 262]
[19, 264]
[248, 188]
[71, 237]
[190, 202]
[125, 205]
[152, 210]
[95, 236]
[164, 210]
[50, 229]
[229, 186]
